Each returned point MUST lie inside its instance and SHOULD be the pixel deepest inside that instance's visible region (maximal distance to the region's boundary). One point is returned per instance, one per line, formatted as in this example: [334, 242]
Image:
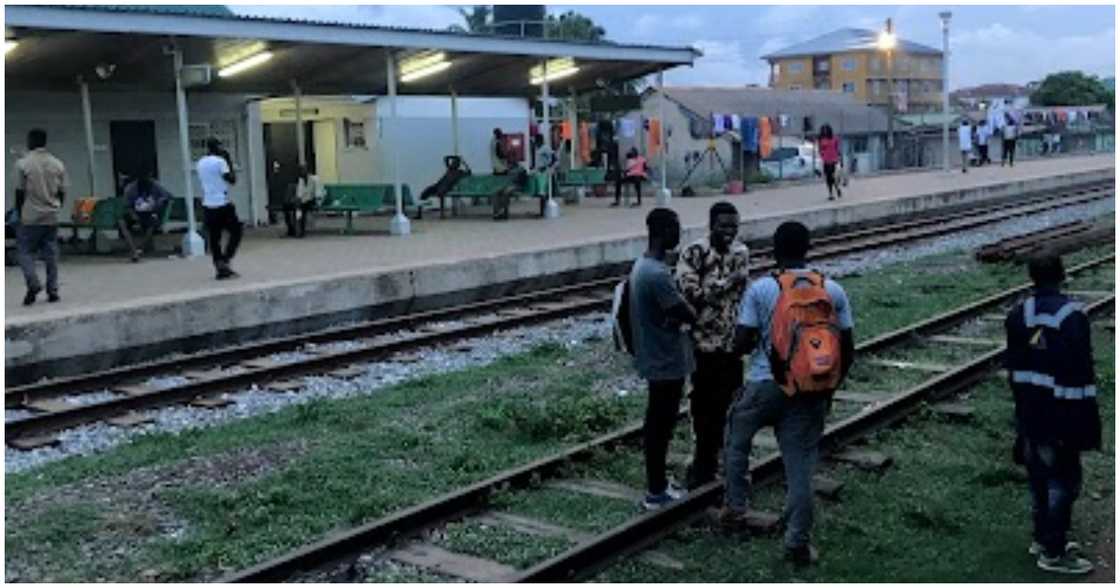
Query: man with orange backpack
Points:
[798, 324]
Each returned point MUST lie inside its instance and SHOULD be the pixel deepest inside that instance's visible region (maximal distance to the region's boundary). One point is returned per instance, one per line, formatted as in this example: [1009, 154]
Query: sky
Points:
[988, 44]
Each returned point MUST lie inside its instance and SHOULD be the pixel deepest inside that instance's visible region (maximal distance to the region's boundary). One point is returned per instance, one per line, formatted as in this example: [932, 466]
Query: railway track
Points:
[400, 536]
[206, 379]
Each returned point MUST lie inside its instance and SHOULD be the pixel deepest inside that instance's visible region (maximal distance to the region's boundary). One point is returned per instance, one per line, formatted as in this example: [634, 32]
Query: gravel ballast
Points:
[480, 351]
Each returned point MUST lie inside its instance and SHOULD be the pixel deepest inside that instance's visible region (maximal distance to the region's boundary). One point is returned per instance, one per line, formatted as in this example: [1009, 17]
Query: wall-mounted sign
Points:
[355, 133]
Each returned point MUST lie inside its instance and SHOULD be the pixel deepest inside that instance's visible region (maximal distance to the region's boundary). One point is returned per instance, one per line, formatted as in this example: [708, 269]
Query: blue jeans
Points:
[798, 423]
[38, 241]
[1055, 483]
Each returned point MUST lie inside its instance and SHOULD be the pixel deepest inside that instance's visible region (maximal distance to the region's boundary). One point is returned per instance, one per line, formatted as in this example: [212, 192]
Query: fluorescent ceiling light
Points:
[423, 65]
[9, 45]
[245, 64]
[557, 69]
[424, 72]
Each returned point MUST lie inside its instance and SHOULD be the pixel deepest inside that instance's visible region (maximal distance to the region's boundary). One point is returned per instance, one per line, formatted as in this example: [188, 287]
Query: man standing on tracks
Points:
[794, 321]
[713, 275]
[1050, 368]
[662, 350]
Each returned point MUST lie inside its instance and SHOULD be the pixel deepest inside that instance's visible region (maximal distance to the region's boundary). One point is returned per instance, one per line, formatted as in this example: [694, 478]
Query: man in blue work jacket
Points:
[1050, 367]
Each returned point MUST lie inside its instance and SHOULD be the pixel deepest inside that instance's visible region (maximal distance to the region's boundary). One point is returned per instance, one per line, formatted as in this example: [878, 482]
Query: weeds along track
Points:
[895, 375]
[205, 377]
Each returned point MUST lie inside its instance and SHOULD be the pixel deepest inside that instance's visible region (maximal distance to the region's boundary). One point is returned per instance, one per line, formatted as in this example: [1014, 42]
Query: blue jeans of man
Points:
[41, 241]
[798, 423]
[1055, 483]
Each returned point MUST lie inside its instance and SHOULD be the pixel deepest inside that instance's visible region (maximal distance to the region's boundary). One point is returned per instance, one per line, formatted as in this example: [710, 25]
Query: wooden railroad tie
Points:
[348, 373]
[204, 374]
[1090, 293]
[599, 488]
[863, 459]
[758, 522]
[131, 419]
[286, 386]
[260, 363]
[935, 368]
[34, 442]
[133, 389]
[861, 397]
[827, 487]
[954, 410]
[211, 402]
[458, 565]
[48, 405]
[966, 341]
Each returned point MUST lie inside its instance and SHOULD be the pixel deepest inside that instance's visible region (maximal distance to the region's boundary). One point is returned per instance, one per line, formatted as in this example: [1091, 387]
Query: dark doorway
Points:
[133, 143]
[281, 152]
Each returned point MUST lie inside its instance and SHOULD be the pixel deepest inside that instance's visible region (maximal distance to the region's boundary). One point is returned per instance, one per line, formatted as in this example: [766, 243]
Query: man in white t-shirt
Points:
[215, 173]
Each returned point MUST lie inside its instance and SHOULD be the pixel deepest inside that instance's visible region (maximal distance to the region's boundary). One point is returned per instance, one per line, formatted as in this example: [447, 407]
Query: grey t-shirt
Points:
[662, 350]
[757, 308]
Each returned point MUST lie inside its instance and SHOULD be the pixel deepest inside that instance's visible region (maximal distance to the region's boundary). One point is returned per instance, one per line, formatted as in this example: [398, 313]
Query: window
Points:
[849, 64]
[777, 69]
[857, 144]
[849, 87]
[877, 87]
[795, 87]
[822, 66]
[796, 67]
[876, 65]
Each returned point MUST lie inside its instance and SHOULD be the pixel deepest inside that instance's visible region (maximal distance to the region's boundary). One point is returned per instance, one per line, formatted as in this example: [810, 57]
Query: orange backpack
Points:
[804, 336]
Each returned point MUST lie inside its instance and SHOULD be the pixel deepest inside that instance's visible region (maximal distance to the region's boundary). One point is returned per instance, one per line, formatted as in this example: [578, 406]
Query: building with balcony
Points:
[850, 61]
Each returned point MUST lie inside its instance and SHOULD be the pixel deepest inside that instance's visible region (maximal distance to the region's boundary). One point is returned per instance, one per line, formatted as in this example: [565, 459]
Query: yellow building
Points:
[850, 61]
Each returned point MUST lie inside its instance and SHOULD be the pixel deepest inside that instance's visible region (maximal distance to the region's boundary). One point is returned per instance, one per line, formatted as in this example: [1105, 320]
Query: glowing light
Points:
[887, 41]
[9, 45]
[245, 64]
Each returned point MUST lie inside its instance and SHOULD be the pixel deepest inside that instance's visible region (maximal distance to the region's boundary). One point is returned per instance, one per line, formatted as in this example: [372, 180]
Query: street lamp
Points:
[945, 89]
[886, 43]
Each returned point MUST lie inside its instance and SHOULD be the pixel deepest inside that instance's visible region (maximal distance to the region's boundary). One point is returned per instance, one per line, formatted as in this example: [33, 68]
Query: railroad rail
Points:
[596, 552]
[508, 312]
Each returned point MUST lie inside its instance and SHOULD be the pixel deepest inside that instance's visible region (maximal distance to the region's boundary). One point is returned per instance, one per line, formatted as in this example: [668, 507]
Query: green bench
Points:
[353, 199]
[585, 177]
[107, 213]
[487, 186]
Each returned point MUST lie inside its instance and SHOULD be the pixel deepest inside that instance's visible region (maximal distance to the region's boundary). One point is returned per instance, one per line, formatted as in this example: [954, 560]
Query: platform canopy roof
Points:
[57, 44]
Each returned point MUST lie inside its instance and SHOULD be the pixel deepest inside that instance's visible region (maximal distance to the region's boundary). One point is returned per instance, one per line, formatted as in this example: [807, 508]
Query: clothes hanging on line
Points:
[765, 136]
[585, 142]
[748, 130]
[717, 124]
[566, 130]
[654, 136]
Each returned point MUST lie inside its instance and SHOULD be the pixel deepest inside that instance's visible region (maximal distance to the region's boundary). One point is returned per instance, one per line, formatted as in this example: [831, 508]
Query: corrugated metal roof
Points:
[844, 112]
[847, 40]
[221, 12]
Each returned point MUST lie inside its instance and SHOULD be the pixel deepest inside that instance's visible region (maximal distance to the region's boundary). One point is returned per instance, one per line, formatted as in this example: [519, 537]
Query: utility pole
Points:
[945, 89]
[889, 43]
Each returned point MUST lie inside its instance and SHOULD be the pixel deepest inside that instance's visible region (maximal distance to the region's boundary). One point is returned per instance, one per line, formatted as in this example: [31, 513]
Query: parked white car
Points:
[793, 162]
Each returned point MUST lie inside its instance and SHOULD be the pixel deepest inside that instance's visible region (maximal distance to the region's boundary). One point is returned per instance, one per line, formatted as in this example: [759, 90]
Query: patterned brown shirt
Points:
[704, 276]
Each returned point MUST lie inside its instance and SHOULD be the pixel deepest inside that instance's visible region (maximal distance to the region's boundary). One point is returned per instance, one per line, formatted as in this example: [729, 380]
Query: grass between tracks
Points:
[303, 471]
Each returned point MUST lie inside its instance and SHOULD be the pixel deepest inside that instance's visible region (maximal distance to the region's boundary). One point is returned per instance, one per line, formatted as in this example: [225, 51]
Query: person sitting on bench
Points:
[457, 168]
[636, 172]
[145, 200]
[298, 206]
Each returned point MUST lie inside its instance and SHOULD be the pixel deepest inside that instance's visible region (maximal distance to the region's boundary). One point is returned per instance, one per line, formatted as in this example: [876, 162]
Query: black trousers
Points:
[718, 375]
[1008, 152]
[661, 416]
[984, 155]
[222, 220]
[297, 229]
[620, 181]
[1055, 483]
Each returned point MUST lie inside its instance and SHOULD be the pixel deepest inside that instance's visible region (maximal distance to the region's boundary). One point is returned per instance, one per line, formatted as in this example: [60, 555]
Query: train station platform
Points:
[114, 311]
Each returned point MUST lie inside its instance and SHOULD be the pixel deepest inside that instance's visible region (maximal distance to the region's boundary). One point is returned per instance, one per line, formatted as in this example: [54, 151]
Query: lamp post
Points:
[886, 44]
[945, 88]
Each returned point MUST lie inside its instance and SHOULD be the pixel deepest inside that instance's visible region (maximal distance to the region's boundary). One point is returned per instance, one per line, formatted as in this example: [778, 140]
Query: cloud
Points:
[999, 53]
[652, 25]
[725, 63]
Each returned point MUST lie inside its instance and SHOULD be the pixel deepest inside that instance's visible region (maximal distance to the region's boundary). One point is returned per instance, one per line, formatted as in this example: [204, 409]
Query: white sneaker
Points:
[1067, 563]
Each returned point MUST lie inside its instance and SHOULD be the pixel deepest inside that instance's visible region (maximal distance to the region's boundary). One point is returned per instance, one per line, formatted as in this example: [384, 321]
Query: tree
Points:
[572, 26]
[1071, 88]
[477, 20]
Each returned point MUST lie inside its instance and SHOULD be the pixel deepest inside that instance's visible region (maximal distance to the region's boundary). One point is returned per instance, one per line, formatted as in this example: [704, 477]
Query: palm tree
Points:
[477, 19]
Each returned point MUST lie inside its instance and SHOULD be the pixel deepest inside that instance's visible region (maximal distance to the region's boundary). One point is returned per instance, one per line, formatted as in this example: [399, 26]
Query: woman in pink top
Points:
[636, 171]
[830, 155]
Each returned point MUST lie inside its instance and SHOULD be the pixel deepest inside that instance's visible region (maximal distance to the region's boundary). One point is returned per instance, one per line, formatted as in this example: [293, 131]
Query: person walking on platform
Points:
[790, 320]
[964, 138]
[829, 146]
[713, 273]
[145, 199]
[1050, 370]
[215, 173]
[40, 188]
[662, 350]
[983, 133]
